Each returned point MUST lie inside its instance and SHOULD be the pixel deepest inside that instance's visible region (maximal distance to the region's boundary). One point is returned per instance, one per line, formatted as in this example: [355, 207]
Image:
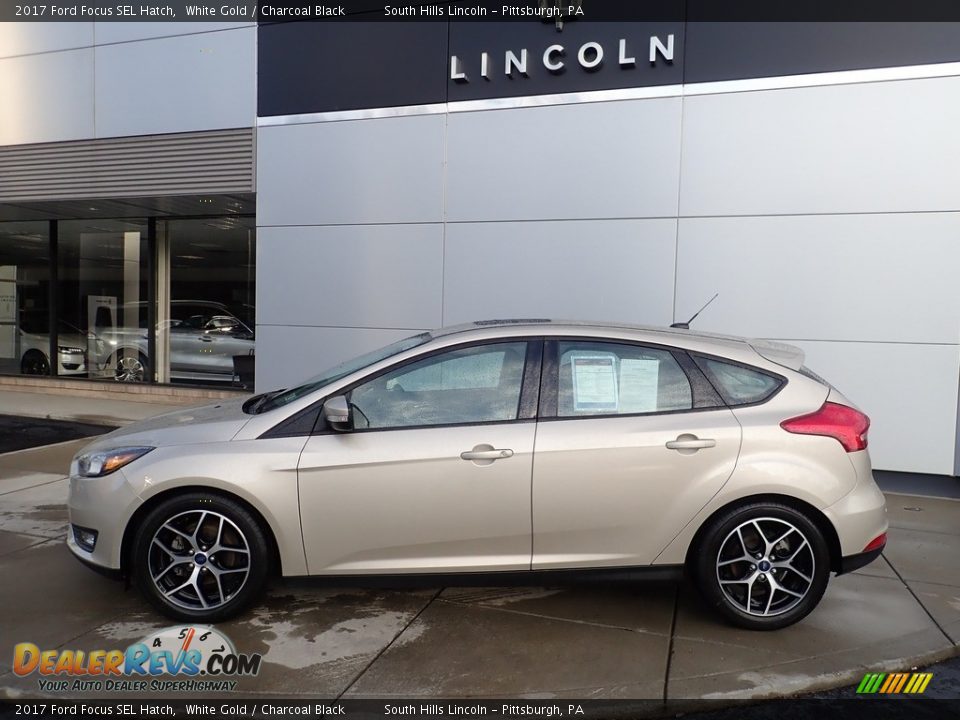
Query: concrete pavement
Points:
[643, 641]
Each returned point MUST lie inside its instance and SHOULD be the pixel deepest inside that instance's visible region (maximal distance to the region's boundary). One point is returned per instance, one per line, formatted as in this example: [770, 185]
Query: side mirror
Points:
[336, 411]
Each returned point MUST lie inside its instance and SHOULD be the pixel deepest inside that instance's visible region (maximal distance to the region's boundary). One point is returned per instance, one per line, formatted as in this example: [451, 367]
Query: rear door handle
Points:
[690, 442]
[492, 454]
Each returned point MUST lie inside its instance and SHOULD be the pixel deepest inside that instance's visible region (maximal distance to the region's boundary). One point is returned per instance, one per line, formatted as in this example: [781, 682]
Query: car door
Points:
[631, 443]
[188, 348]
[435, 474]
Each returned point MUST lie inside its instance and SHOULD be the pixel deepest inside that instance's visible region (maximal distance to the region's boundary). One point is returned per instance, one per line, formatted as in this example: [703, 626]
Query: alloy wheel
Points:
[130, 369]
[199, 560]
[765, 566]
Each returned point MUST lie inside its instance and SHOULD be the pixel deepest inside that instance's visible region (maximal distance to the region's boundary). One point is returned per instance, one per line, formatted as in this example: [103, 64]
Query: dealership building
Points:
[177, 194]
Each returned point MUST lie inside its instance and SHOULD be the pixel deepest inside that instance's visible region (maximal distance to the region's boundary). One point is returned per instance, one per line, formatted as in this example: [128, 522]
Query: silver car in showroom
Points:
[203, 337]
[537, 450]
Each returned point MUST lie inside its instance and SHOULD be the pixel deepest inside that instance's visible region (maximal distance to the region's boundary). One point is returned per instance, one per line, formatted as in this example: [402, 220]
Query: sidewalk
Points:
[641, 641]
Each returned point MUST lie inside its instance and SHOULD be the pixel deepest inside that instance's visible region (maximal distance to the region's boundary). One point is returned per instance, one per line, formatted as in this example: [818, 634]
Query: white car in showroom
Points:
[538, 450]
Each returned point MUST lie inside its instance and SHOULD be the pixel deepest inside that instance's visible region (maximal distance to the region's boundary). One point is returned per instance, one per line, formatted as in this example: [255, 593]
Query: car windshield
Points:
[284, 397]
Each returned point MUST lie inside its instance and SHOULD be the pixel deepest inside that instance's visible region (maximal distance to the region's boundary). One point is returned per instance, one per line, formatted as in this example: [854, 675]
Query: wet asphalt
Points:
[20, 433]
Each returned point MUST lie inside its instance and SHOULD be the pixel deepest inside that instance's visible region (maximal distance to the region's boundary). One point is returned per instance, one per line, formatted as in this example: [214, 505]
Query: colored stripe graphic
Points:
[903, 681]
[894, 683]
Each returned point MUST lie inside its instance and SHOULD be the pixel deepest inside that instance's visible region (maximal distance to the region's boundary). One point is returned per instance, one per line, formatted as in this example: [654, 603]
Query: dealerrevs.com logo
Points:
[199, 657]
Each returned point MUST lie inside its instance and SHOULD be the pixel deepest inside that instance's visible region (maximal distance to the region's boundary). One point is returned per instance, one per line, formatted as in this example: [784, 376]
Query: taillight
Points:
[879, 542]
[844, 424]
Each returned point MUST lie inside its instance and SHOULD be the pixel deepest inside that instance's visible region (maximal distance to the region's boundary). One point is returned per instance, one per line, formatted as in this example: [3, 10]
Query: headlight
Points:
[98, 464]
[71, 350]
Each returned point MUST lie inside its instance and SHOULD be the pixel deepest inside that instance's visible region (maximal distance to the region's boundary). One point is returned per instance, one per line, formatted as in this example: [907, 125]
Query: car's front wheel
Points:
[129, 366]
[763, 566]
[199, 557]
[34, 363]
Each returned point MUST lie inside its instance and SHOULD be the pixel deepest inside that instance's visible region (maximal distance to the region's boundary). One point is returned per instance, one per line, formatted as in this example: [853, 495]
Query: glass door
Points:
[103, 296]
[208, 278]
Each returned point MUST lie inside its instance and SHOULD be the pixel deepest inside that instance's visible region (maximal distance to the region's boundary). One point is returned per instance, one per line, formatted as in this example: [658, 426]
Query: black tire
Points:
[34, 363]
[768, 589]
[212, 574]
[129, 366]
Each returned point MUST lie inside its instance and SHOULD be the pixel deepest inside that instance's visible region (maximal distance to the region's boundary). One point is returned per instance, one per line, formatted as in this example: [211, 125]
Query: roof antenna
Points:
[686, 325]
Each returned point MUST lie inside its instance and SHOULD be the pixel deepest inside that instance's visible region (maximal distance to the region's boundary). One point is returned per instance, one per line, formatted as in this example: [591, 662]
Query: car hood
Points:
[217, 422]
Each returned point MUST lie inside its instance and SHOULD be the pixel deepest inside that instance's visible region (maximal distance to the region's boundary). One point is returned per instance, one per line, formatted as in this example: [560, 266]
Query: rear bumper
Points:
[860, 517]
[855, 562]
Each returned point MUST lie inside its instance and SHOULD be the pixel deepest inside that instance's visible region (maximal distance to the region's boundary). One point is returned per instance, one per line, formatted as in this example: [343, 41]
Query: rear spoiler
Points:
[789, 356]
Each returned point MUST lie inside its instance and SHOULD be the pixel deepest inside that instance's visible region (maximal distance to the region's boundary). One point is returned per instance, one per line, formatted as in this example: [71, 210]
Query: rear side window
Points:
[739, 385]
[599, 378]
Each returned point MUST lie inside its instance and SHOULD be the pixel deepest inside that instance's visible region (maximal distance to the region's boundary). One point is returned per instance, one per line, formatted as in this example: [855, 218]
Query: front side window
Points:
[600, 378]
[477, 384]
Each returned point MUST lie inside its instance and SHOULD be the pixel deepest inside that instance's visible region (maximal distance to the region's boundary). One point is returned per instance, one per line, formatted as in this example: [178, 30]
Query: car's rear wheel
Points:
[200, 557]
[763, 566]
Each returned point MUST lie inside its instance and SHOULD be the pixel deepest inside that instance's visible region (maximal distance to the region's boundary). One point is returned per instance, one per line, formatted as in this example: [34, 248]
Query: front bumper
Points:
[111, 573]
[103, 504]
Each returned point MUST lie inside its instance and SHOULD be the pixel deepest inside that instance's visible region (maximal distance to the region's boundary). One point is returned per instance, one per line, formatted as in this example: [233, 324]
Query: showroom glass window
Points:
[597, 378]
[24, 292]
[103, 301]
[206, 304]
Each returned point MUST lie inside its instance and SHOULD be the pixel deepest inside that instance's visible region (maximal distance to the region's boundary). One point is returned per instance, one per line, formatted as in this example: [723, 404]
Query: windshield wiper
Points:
[259, 405]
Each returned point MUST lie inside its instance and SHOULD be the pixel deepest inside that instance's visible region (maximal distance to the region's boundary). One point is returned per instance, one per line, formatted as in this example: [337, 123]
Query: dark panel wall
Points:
[309, 67]
[732, 51]
[306, 67]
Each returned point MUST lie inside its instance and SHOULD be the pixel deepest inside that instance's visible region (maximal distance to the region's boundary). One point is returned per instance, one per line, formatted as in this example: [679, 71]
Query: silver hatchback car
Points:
[541, 450]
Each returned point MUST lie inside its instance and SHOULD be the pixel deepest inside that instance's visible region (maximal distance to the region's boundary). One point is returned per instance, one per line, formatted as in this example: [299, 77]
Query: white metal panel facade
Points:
[822, 216]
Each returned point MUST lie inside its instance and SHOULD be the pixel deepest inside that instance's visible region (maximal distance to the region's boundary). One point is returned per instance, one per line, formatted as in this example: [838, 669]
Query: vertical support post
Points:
[152, 264]
[53, 300]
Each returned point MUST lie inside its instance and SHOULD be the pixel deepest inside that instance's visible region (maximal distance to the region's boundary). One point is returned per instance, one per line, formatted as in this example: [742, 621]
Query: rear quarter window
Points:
[738, 384]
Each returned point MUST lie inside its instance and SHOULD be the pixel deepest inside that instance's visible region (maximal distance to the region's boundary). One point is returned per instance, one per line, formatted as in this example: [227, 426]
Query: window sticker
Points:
[639, 385]
[594, 383]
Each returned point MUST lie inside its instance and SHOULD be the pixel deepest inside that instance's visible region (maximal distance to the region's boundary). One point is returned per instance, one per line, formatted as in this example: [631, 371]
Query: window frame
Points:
[703, 396]
[526, 409]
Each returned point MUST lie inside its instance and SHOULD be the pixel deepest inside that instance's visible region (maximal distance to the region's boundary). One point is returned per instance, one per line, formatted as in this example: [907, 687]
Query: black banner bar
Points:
[479, 11]
[857, 707]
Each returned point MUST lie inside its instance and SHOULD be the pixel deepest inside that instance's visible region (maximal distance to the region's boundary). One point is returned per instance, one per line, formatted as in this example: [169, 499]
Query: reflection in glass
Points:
[24, 313]
[208, 334]
[468, 385]
[103, 295]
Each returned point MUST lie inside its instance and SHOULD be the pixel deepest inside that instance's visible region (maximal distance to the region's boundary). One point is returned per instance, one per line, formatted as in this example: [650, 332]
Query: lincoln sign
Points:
[590, 56]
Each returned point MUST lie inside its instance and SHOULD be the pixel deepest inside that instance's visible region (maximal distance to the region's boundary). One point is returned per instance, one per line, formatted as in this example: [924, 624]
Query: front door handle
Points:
[690, 442]
[491, 454]
[485, 454]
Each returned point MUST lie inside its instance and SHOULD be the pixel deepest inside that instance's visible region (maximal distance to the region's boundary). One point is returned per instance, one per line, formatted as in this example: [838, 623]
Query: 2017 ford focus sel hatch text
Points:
[532, 449]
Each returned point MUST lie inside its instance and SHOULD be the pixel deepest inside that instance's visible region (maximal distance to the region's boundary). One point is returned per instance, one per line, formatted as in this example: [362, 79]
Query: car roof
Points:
[548, 326]
[776, 352]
